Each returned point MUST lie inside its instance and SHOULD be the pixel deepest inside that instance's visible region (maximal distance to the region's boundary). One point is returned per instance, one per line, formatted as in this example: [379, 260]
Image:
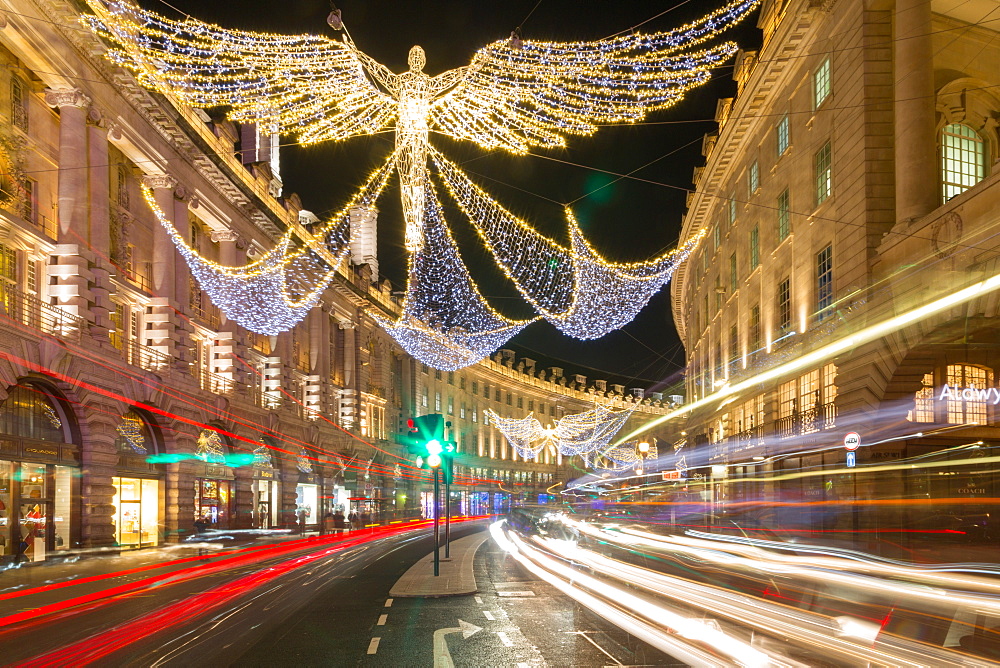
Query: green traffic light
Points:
[434, 447]
[434, 460]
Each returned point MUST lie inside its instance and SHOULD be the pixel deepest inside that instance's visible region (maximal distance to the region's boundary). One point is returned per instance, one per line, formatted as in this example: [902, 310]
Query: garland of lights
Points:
[262, 457]
[274, 293]
[576, 434]
[514, 95]
[574, 288]
[302, 462]
[446, 323]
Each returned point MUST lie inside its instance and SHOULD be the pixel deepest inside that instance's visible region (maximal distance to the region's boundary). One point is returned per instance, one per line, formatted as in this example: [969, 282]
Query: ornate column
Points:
[349, 395]
[918, 189]
[71, 272]
[72, 209]
[161, 322]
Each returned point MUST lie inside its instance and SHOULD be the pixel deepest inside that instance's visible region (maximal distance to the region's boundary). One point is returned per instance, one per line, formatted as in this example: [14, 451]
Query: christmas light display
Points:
[576, 434]
[446, 323]
[514, 95]
[131, 430]
[262, 457]
[271, 295]
[574, 288]
[211, 449]
[302, 462]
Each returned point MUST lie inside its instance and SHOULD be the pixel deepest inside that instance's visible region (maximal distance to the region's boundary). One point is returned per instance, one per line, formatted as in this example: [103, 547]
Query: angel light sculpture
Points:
[515, 95]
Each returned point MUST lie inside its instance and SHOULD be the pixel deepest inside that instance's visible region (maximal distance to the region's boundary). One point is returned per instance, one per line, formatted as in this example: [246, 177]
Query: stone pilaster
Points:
[178, 511]
[100, 226]
[918, 188]
[348, 417]
[99, 459]
[243, 501]
[161, 321]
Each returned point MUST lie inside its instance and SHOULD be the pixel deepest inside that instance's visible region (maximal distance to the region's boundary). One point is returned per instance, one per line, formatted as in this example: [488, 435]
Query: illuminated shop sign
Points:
[991, 394]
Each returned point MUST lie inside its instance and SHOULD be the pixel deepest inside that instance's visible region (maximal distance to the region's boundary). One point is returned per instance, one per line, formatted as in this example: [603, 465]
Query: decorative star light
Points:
[515, 95]
[576, 434]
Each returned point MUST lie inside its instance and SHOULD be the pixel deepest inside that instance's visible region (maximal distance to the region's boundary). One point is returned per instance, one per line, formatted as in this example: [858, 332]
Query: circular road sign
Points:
[852, 441]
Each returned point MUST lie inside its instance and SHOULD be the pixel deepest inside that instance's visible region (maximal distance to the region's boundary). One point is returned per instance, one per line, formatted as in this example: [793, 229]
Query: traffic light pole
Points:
[447, 512]
[437, 520]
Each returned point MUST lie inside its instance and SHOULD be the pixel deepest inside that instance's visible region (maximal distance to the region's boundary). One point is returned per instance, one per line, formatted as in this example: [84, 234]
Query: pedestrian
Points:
[302, 522]
[338, 522]
[328, 522]
[354, 520]
[201, 524]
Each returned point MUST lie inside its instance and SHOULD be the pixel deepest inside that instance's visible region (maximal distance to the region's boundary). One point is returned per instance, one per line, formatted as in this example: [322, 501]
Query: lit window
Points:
[787, 401]
[437, 402]
[824, 173]
[923, 401]
[963, 377]
[781, 134]
[753, 178]
[963, 159]
[821, 84]
[733, 275]
[754, 246]
[754, 333]
[824, 283]
[784, 216]
[784, 306]
[809, 401]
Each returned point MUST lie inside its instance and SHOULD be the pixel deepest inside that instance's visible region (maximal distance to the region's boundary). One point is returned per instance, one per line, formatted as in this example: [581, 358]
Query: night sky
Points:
[626, 220]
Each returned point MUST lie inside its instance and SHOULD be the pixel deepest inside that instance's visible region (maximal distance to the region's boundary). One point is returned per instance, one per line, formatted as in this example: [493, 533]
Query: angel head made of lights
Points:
[515, 95]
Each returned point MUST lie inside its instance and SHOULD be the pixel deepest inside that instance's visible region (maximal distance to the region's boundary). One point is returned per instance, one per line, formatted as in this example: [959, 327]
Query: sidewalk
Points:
[457, 577]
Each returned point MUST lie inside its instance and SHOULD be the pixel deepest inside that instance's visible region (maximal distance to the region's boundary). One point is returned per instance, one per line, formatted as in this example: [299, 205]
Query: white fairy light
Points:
[577, 434]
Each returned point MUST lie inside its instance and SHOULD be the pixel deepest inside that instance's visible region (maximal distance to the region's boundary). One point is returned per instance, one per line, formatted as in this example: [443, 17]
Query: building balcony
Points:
[806, 421]
[32, 312]
[139, 355]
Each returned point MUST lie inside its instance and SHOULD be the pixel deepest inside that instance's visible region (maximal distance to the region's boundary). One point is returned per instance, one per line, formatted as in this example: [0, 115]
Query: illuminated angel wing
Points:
[516, 97]
[305, 85]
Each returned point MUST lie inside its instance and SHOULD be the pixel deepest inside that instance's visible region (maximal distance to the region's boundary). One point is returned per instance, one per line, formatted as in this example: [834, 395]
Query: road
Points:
[313, 603]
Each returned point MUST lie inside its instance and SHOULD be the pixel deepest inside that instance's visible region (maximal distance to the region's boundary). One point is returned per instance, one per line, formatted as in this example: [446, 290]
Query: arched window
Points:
[923, 401]
[965, 404]
[963, 159]
[30, 412]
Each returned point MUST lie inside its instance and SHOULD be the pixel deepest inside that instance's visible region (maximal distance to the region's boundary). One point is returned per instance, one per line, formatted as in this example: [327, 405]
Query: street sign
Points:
[852, 441]
[852, 459]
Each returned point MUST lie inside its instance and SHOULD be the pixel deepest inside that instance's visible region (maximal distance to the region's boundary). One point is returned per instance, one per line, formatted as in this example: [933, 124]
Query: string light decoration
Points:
[445, 323]
[273, 294]
[574, 288]
[302, 462]
[514, 95]
[50, 415]
[575, 434]
[211, 449]
[262, 457]
[131, 430]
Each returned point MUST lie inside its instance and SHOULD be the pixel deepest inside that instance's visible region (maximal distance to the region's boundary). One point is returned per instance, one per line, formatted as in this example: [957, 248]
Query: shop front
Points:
[138, 497]
[39, 476]
[213, 496]
[307, 498]
[267, 498]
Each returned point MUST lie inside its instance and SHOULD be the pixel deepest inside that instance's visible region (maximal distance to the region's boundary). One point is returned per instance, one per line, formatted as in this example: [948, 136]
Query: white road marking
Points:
[381, 619]
[523, 665]
[479, 600]
[515, 593]
[388, 603]
[584, 635]
[488, 615]
[504, 639]
[373, 645]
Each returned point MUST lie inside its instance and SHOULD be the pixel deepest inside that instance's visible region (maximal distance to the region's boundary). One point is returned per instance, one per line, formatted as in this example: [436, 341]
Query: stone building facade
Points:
[129, 405]
[853, 179]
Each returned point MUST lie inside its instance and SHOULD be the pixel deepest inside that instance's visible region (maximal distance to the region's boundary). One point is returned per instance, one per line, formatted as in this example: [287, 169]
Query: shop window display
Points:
[136, 516]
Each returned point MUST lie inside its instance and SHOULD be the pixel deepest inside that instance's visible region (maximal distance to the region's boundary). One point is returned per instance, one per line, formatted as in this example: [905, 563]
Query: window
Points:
[461, 383]
[784, 306]
[451, 377]
[423, 399]
[18, 103]
[733, 275]
[734, 347]
[923, 401]
[437, 402]
[754, 333]
[29, 209]
[475, 414]
[475, 387]
[754, 247]
[451, 405]
[716, 237]
[520, 402]
[486, 391]
[971, 410]
[732, 212]
[824, 283]
[781, 135]
[821, 84]
[784, 216]
[122, 192]
[809, 401]
[497, 394]
[963, 159]
[8, 264]
[753, 178]
[787, 400]
[824, 173]
[508, 398]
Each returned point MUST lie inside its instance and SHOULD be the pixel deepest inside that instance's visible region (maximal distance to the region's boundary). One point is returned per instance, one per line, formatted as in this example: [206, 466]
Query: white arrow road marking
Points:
[442, 657]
